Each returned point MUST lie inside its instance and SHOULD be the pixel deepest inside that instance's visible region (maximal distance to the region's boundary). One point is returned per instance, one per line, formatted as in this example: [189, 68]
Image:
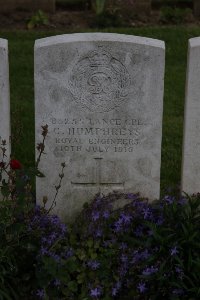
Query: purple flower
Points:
[69, 253]
[123, 246]
[57, 282]
[136, 257]
[139, 256]
[174, 251]
[140, 205]
[37, 209]
[63, 228]
[178, 292]
[132, 196]
[145, 254]
[98, 233]
[123, 271]
[106, 214]
[124, 258]
[139, 231]
[142, 287]
[116, 288]
[53, 236]
[93, 264]
[96, 292]
[114, 291]
[44, 251]
[56, 257]
[180, 272]
[118, 225]
[147, 213]
[106, 244]
[169, 199]
[182, 201]
[124, 265]
[54, 219]
[149, 271]
[95, 216]
[150, 232]
[47, 241]
[126, 219]
[40, 294]
[98, 199]
[159, 220]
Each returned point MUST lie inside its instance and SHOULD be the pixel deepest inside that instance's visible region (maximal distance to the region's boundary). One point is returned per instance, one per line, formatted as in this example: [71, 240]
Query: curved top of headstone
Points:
[194, 42]
[3, 43]
[91, 37]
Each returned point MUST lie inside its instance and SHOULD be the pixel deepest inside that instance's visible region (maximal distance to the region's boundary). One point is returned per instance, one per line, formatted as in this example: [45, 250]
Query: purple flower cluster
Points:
[49, 225]
[98, 213]
[126, 244]
[50, 230]
[123, 223]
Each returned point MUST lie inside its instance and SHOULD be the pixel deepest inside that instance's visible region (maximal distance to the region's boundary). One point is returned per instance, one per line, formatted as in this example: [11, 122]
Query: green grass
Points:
[22, 92]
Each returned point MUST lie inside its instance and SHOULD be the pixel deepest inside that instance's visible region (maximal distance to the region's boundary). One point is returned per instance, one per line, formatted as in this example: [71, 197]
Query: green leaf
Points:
[72, 285]
[71, 265]
[90, 243]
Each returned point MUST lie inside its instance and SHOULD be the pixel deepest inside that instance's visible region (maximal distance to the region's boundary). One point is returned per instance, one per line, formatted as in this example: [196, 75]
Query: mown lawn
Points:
[22, 93]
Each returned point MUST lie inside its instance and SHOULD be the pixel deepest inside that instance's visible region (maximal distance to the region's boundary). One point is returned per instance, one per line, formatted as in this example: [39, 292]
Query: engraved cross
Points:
[98, 179]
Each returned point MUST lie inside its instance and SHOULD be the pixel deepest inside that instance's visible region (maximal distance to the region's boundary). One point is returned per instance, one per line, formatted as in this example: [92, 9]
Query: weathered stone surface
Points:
[102, 98]
[27, 5]
[191, 143]
[4, 98]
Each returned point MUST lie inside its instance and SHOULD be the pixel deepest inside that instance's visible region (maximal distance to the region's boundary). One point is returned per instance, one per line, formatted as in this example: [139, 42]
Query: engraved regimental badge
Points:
[99, 81]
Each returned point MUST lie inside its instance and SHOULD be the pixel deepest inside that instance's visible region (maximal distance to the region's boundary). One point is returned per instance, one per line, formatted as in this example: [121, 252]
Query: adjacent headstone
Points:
[4, 100]
[191, 143]
[101, 95]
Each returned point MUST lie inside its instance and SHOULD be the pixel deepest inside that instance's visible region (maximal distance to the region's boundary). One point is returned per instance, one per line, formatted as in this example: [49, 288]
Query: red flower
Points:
[15, 164]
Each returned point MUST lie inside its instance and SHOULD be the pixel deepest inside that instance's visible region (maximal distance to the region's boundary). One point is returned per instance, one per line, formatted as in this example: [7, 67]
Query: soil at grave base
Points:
[78, 20]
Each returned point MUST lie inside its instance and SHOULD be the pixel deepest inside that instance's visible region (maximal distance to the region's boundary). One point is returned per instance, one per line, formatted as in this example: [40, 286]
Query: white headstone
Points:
[4, 99]
[101, 95]
[191, 143]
